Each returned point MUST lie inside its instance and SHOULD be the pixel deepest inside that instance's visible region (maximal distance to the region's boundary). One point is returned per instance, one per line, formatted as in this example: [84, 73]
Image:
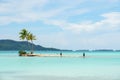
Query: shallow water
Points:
[95, 66]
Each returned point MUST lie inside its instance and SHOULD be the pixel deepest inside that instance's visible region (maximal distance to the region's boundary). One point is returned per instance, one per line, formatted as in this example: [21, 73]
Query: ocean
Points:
[100, 65]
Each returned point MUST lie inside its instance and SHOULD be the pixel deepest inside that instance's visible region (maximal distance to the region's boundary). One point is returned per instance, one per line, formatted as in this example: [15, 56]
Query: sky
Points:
[63, 24]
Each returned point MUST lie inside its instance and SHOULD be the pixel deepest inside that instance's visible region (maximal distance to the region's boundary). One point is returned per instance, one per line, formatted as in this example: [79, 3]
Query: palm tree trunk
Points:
[32, 47]
[28, 45]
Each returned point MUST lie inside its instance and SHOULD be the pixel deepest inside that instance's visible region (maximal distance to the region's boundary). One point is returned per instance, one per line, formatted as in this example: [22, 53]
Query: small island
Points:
[28, 36]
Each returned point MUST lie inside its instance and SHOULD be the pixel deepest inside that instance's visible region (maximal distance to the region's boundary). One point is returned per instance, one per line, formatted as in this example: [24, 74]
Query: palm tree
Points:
[32, 37]
[23, 34]
[28, 38]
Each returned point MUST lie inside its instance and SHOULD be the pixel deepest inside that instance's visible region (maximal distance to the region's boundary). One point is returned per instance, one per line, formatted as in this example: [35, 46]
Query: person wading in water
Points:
[83, 54]
[61, 54]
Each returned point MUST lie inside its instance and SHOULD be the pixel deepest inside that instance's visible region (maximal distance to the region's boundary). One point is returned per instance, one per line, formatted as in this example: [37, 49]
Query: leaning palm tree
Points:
[32, 37]
[28, 38]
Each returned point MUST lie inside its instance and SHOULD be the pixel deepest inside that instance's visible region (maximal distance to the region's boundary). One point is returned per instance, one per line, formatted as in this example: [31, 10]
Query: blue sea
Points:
[103, 65]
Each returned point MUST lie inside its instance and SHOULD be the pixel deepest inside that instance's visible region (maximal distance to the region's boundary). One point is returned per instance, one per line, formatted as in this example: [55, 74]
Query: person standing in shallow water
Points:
[60, 53]
[83, 54]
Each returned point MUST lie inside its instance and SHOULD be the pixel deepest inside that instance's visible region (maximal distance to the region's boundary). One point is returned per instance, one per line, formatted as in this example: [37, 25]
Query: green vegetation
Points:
[31, 37]
[25, 35]
[22, 53]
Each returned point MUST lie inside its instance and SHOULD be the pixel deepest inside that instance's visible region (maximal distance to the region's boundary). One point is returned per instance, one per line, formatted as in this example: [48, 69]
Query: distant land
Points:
[21, 45]
[8, 44]
[98, 50]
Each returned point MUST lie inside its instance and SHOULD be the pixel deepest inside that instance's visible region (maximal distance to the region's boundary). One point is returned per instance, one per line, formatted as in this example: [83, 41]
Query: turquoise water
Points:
[95, 66]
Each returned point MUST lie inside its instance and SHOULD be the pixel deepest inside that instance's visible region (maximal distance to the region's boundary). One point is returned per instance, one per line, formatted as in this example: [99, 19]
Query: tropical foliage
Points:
[22, 53]
[31, 38]
[25, 35]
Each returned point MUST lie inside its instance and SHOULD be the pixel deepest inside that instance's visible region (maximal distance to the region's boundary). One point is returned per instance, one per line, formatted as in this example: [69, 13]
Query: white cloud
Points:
[26, 10]
[34, 10]
[107, 28]
[20, 11]
[110, 22]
